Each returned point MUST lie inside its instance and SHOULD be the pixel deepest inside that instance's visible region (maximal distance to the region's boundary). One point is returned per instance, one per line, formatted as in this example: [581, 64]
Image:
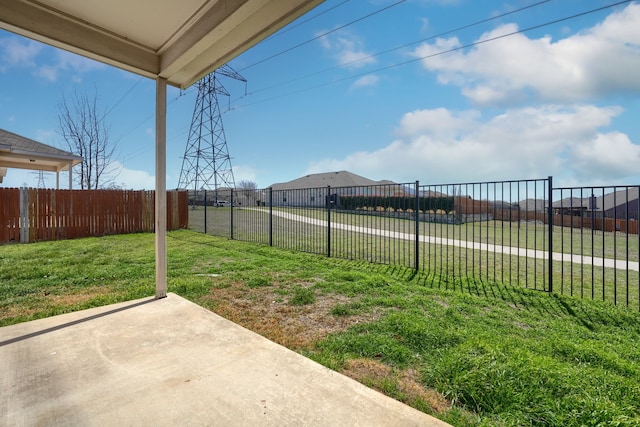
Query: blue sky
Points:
[399, 95]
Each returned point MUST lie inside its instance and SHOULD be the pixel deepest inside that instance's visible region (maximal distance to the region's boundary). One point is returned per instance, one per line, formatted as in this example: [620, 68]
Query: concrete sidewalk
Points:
[171, 362]
[620, 264]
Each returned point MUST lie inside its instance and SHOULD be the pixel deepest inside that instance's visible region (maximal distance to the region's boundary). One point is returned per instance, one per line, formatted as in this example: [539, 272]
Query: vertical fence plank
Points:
[9, 215]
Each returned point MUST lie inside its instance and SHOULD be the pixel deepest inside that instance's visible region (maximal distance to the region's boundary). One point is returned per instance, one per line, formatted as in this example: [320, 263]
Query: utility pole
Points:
[206, 164]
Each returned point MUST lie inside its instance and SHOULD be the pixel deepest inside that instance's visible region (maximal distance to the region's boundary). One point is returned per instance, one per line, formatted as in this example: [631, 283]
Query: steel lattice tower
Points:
[206, 164]
[41, 179]
[41, 183]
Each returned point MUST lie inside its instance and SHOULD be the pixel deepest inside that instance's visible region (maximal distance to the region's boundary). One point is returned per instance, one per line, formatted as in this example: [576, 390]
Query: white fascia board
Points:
[219, 36]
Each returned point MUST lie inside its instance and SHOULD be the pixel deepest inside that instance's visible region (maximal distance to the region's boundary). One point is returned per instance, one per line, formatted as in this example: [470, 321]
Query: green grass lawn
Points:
[453, 263]
[473, 354]
[504, 233]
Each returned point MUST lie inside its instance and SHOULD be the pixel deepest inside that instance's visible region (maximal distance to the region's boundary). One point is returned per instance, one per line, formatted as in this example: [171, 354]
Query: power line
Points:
[464, 27]
[147, 118]
[275, 55]
[177, 134]
[352, 77]
[123, 97]
[132, 129]
[279, 33]
[476, 43]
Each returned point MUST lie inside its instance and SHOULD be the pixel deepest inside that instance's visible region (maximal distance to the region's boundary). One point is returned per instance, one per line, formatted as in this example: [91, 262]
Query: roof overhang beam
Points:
[59, 30]
[216, 33]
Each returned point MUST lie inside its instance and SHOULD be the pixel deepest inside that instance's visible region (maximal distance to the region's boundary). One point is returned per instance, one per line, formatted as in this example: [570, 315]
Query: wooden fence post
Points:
[24, 215]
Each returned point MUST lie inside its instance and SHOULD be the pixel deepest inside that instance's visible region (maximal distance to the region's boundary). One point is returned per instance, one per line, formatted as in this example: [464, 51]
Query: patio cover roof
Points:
[19, 152]
[174, 41]
[178, 40]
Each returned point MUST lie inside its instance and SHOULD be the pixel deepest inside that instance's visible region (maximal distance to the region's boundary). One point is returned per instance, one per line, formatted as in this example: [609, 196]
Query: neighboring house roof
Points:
[431, 193]
[572, 203]
[618, 198]
[500, 204]
[23, 153]
[334, 179]
[532, 204]
[606, 202]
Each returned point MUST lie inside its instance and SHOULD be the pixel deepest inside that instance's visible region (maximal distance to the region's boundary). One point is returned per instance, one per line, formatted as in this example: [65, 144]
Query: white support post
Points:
[161, 188]
[71, 175]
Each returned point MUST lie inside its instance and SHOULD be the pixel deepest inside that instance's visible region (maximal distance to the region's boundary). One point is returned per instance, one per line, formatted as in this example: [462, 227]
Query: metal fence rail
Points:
[582, 241]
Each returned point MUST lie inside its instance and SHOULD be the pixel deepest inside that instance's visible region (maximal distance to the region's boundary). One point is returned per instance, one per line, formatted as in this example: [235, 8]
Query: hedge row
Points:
[426, 203]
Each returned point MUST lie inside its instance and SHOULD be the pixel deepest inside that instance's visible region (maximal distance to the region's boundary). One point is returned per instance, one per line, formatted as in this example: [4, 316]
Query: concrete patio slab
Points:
[171, 362]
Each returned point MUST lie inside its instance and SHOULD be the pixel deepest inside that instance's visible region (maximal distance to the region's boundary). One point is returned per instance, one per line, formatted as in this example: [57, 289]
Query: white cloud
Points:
[612, 155]
[69, 64]
[17, 178]
[48, 136]
[131, 178]
[438, 121]
[600, 61]
[16, 52]
[125, 178]
[444, 146]
[425, 26]
[244, 173]
[47, 72]
[79, 64]
[346, 48]
[365, 81]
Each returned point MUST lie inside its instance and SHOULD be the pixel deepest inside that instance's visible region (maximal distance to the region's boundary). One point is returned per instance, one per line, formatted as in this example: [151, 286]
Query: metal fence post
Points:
[231, 219]
[550, 231]
[416, 261]
[328, 221]
[270, 216]
[205, 210]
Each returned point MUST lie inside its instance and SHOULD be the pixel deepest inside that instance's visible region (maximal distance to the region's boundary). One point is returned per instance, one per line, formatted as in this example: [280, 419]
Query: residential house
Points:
[623, 203]
[23, 153]
[315, 190]
[572, 206]
[533, 205]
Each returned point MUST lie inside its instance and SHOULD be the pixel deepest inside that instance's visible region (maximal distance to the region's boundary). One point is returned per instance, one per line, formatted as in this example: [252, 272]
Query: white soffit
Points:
[180, 40]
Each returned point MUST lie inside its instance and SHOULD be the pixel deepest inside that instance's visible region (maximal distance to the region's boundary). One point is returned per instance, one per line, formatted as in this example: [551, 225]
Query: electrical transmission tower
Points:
[206, 164]
[41, 179]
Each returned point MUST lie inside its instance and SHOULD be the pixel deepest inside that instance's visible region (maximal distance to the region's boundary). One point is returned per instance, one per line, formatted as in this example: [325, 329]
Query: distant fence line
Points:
[31, 215]
[581, 241]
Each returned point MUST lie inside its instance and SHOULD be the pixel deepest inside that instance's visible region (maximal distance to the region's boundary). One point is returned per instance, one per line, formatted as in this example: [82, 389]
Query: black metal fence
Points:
[581, 241]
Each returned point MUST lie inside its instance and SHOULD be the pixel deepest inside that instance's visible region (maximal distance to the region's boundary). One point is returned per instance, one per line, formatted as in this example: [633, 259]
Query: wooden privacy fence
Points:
[560, 220]
[31, 215]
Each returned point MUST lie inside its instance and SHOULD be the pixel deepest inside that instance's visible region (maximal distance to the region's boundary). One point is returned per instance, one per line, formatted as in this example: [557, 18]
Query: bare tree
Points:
[86, 135]
[249, 191]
